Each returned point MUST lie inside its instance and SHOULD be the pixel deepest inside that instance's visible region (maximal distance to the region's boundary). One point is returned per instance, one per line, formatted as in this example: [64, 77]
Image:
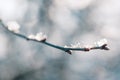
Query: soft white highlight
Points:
[39, 36]
[101, 42]
[13, 26]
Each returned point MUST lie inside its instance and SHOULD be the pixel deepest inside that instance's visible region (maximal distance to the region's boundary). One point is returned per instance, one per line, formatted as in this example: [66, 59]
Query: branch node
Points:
[87, 49]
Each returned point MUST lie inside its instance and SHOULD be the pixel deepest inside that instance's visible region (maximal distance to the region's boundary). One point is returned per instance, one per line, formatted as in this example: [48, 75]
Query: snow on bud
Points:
[39, 37]
[13, 26]
[101, 42]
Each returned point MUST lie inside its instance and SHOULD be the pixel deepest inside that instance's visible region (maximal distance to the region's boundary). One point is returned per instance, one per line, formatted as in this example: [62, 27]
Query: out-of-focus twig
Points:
[42, 39]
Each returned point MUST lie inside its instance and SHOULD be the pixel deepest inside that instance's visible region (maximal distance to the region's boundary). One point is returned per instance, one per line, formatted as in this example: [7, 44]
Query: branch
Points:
[13, 28]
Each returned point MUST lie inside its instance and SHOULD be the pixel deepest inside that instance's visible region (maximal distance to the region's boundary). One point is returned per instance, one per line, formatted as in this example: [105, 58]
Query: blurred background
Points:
[65, 22]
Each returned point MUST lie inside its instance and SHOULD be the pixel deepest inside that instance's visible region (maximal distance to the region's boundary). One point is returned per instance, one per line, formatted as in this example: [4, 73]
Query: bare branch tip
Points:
[104, 47]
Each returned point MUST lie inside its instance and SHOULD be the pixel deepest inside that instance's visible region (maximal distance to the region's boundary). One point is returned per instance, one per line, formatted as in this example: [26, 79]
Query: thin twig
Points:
[66, 49]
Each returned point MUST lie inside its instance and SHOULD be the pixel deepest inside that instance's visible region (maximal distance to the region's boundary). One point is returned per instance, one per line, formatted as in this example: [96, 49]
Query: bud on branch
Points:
[13, 27]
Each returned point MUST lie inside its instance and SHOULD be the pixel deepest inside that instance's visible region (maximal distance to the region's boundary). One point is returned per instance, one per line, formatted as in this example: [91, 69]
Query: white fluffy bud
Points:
[13, 26]
[39, 37]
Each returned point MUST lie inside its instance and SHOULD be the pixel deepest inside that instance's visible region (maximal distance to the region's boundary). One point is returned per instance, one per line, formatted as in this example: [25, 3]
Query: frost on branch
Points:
[14, 27]
[102, 44]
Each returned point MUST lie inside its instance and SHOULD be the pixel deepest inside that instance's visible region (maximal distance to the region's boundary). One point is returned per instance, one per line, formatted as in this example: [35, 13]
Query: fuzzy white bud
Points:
[13, 26]
[39, 37]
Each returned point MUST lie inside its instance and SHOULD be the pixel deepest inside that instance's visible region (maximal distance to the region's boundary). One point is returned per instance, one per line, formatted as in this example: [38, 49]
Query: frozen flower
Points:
[101, 42]
[13, 26]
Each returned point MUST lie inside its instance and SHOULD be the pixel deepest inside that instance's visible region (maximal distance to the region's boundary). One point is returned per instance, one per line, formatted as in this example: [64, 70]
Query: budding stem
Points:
[43, 40]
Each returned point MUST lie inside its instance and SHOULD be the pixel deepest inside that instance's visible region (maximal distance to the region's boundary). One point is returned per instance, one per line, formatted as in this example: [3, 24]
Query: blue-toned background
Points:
[65, 22]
